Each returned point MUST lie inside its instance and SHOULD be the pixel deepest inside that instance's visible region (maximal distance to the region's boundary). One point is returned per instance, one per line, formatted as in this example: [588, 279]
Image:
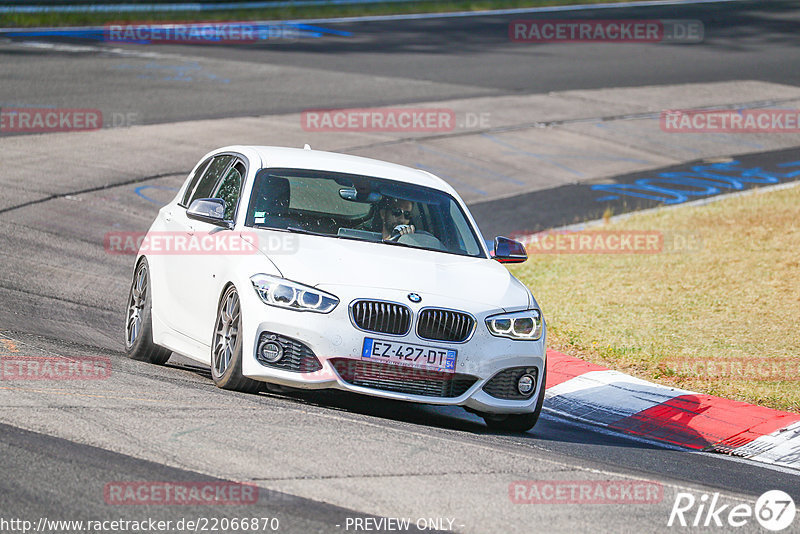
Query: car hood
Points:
[327, 261]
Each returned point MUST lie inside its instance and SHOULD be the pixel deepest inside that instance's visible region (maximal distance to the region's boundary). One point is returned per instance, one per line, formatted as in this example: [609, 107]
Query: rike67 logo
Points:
[774, 511]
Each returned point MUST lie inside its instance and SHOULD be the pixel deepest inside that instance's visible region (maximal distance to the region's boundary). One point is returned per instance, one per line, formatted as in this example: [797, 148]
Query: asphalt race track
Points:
[322, 459]
[393, 62]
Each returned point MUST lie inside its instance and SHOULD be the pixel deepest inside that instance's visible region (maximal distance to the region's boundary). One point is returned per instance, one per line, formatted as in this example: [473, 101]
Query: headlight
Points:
[283, 293]
[526, 325]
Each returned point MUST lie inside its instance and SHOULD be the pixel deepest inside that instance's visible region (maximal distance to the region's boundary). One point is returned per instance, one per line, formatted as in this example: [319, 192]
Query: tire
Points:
[226, 346]
[518, 422]
[138, 320]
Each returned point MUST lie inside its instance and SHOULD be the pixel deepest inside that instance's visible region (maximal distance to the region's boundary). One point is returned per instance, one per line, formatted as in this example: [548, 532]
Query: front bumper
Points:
[334, 339]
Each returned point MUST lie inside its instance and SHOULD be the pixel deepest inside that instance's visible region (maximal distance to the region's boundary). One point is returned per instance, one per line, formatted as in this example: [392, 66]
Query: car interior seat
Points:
[273, 202]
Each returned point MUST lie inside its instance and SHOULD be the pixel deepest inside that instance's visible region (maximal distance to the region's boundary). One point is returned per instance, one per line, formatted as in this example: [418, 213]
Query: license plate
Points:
[409, 355]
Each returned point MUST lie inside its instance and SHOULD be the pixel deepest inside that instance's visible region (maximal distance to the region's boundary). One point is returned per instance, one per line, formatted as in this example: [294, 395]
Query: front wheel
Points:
[138, 321]
[226, 349]
[518, 422]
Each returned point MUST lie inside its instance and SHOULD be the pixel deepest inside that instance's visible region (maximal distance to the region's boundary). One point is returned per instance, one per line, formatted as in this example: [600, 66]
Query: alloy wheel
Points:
[136, 302]
[226, 332]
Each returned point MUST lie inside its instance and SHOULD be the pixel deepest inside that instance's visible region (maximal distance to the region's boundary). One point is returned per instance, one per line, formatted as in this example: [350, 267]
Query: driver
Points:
[396, 215]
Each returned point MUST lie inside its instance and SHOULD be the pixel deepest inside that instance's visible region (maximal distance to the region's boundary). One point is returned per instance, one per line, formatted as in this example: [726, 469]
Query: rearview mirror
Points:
[509, 251]
[210, 210]
[354, 195]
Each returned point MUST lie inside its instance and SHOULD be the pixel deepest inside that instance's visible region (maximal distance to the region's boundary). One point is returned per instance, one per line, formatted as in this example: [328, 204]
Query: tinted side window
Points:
[211, 177]
[193, 183]
[229, 189]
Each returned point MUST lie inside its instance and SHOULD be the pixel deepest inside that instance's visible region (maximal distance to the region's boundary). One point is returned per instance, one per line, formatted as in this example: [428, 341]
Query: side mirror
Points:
[210, 210]
[509, 251]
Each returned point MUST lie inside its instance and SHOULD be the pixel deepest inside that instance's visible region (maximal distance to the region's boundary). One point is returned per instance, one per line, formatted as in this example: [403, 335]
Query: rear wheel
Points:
[138, 321]
[518, 422]
[226, 349]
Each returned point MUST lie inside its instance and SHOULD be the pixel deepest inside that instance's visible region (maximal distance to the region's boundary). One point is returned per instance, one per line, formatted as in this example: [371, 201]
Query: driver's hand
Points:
[403, 229]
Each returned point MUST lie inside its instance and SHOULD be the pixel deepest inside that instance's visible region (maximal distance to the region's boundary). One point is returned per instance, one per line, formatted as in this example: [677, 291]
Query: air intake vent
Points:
[389, 377]
[382, 317]
[297, 356]
[445, 325]
[503, 385]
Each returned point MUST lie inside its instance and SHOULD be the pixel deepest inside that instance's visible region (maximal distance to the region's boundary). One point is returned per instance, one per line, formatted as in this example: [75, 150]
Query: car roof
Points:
[299, 158]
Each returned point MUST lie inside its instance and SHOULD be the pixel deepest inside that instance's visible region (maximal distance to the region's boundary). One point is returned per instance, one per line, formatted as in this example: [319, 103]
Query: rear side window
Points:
[210, 178]
[193, 183]
[230, 188]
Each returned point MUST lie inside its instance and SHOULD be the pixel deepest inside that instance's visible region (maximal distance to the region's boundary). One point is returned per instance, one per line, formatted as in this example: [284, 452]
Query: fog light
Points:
[525, 384]
[270, 350]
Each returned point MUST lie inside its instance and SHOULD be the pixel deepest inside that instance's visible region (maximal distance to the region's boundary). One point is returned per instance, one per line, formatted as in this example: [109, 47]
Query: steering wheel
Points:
[396, 233]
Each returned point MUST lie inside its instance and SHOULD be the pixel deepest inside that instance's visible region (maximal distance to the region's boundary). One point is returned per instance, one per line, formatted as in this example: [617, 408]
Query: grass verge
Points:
[722, 319]
[26, 20]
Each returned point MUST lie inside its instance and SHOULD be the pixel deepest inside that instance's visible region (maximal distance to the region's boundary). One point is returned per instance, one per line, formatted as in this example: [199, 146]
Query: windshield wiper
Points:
[311, 232]
[268, 227]
[297, 230]
[417, 247]
[395, 243]
[291, 229]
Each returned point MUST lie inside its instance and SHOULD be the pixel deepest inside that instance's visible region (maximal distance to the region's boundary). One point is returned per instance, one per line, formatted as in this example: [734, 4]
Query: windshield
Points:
[362, 208]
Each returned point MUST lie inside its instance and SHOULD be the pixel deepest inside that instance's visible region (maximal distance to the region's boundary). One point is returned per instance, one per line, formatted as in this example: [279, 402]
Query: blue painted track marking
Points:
[699, 181]
[139, 189]
[298, 3]
[263, 29]
[790, 164]
[186, 6]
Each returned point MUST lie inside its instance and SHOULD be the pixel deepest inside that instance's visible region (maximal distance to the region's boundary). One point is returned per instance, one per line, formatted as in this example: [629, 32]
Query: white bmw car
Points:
[312, 269]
